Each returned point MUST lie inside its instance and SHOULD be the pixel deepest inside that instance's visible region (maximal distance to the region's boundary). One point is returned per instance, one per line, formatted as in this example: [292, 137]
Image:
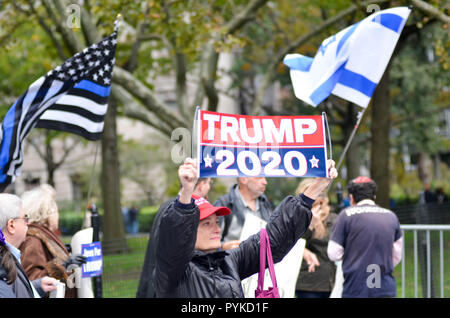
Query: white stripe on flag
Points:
[17, 157]
[375, 47]
[82, 102]
[32, 120]
[350, 94]
[31, 94]
[74, 119]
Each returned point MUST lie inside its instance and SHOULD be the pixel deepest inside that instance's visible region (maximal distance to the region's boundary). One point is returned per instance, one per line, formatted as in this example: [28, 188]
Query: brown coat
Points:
[43, 254]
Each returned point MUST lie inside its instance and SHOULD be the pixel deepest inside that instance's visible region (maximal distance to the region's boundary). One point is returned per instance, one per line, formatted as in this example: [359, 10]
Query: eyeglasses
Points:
[26, 218]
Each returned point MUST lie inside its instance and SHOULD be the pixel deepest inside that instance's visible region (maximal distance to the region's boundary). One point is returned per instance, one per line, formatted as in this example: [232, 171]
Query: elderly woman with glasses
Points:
[43, 252]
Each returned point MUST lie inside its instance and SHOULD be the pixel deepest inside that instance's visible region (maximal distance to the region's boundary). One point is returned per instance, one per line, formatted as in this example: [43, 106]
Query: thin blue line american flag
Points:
[73, 97]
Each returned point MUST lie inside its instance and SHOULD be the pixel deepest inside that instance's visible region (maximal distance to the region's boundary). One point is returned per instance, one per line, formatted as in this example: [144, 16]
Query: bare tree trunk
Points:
[113, 227]
[424, 168]
[379, 156]
[51, 167]
[437, 166]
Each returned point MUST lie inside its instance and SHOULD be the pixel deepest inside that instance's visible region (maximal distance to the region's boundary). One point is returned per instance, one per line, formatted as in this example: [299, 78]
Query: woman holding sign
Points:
[190, 263]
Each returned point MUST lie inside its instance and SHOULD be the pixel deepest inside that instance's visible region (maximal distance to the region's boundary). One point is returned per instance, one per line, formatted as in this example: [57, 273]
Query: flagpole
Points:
[93, 172]
[349, 141]
[194, 140]
[91, 182]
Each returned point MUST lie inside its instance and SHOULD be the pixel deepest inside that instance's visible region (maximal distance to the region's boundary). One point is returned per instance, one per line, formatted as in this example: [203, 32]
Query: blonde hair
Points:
[320, 229]
[39, 204]
[304, 185]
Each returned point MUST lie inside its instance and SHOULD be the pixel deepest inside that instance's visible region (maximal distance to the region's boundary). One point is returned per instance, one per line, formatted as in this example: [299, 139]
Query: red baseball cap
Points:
[206, 208]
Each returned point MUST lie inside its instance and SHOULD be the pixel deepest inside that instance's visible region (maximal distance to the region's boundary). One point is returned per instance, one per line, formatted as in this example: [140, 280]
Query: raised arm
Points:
[177, 233]
[288, 223]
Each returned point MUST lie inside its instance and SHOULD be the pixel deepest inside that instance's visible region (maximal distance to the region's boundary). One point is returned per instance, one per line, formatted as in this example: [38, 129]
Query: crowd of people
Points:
[195, 247]
[33, 259]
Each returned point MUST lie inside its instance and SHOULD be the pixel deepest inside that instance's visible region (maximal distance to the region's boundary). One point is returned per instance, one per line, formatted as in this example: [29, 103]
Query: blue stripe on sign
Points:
[357, 82]
[324, 90]
[300, 63]
[390, 21]
[95, 88]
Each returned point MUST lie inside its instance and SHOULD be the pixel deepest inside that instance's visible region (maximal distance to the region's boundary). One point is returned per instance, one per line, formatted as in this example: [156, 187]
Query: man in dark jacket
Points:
[146, 288]
[189, 261]
[247, 196]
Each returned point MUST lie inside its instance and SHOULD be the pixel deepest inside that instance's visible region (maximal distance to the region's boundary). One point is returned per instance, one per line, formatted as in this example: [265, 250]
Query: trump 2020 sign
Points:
[260, 146]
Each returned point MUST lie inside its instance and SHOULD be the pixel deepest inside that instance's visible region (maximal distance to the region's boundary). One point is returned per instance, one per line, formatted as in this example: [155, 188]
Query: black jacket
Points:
[322, 279]
[231, 201]
[5, 289]
[146, 288]
[182, 271]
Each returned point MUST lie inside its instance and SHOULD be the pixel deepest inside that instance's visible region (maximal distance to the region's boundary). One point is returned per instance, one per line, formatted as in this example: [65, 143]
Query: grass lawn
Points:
[435, 260]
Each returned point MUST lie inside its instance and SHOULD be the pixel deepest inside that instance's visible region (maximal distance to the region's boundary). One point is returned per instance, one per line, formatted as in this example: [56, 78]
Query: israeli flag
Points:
[350, 63]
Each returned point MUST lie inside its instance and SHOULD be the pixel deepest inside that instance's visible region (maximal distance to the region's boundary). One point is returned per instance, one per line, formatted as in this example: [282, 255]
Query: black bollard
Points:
[95, 221]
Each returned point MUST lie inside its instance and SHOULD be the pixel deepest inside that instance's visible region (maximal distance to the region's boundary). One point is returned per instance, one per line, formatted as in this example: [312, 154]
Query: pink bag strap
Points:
[264, 248]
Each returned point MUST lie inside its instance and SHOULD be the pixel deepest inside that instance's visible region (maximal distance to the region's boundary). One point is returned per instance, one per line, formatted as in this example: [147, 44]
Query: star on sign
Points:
[314, 162]
[208, 161]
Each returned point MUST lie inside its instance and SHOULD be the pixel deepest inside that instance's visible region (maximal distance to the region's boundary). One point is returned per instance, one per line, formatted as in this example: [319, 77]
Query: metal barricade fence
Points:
[422, 243]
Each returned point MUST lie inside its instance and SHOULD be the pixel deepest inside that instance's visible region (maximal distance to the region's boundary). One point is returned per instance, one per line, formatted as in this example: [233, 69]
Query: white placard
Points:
[339, 282]
[286, 271]
[83, 285]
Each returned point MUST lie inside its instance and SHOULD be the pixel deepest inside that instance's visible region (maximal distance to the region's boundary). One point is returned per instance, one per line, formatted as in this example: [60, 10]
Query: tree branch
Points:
[68, 35]
[430, 10]
[132, 62]
[243, 17]
[67, 152]
[133, 110]
[88, 27]
[49, 31]
[146, 97]
[208, 64]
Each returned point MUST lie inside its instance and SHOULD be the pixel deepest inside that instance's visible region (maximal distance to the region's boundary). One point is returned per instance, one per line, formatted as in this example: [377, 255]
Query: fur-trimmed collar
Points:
[51, 241]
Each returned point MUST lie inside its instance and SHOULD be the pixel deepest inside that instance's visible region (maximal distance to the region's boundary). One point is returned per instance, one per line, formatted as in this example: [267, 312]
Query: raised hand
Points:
[320, 184]
[187, 173]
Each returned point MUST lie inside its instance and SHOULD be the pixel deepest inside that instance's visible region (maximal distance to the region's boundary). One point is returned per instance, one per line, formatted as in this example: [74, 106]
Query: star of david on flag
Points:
[350, 63]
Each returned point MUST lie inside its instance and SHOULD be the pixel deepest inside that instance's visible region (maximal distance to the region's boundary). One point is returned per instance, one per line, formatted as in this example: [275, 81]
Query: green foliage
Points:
[418, 83]
[278, 188]
[70, 222]
[22, 62]
[146, 217]
[145, 164]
